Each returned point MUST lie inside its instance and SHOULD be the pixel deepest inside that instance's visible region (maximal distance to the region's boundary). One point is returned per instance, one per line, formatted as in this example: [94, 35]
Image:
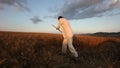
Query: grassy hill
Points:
[41, 50]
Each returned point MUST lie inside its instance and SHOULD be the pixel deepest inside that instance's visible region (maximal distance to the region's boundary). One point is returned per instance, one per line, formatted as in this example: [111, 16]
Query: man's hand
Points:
[57, 28]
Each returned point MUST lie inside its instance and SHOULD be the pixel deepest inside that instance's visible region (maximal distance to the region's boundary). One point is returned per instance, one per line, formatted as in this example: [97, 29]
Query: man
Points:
[67, 35]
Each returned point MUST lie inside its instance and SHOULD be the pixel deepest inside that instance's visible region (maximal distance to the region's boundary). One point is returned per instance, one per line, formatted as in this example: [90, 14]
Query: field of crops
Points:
[41, 50]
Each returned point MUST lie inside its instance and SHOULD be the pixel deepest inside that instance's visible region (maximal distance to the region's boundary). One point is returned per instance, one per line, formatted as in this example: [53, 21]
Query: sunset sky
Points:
[85, 16]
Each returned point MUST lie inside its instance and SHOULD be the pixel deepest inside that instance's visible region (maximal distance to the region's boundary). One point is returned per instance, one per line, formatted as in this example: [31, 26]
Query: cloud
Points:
[36, 19]
[81, 9]
[18, 4]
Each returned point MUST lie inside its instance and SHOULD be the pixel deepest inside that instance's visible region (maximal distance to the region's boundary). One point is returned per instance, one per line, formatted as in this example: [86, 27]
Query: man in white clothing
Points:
[67, 35]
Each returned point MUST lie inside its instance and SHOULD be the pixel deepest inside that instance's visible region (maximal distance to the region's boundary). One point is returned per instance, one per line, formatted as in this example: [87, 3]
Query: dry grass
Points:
[41, 50]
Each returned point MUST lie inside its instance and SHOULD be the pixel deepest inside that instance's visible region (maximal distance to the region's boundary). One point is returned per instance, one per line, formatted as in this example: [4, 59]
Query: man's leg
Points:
[64, 45]
[71, 48]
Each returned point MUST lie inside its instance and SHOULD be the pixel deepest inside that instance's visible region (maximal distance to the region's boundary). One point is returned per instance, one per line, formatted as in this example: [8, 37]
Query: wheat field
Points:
[41, 50]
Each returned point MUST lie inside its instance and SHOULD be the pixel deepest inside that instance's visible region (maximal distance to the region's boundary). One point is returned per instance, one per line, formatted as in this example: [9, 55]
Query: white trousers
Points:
[68, 42]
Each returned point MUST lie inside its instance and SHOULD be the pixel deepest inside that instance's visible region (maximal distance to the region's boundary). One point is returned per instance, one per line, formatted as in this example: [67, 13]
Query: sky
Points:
[84, 16]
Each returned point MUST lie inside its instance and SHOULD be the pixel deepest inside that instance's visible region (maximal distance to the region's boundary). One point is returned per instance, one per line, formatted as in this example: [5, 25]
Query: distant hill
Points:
[106, 34]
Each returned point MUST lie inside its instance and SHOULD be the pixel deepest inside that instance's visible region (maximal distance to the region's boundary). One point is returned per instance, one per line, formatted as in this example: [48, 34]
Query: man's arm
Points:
[58, 26]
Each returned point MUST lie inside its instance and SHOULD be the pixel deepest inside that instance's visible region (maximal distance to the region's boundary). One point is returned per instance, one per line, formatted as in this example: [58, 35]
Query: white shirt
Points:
[65, 27]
